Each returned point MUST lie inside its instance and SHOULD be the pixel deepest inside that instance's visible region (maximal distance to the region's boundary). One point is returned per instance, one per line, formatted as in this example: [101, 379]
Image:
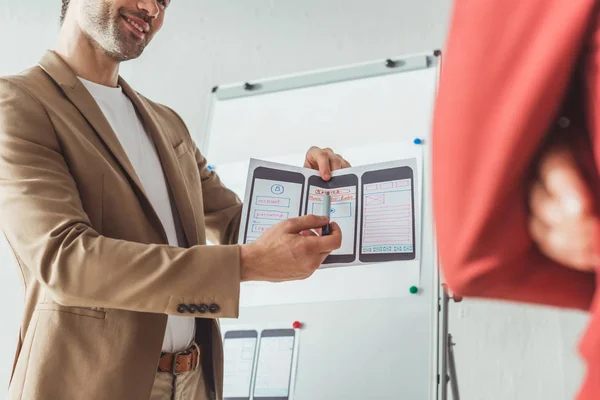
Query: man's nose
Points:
[150, 6]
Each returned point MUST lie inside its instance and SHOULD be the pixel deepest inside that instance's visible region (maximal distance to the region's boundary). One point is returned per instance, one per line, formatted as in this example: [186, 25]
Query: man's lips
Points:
[138, 25]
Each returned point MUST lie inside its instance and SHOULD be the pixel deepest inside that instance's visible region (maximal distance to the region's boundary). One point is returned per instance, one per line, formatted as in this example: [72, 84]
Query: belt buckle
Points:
[198, 357]
[174, 366]
[175, 373]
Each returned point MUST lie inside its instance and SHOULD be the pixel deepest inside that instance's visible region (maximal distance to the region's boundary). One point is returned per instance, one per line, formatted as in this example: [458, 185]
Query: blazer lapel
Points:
[85, 103]
[83, 100]
[169, 163]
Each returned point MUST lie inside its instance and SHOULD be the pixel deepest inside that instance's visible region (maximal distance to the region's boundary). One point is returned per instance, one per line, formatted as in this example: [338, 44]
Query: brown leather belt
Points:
[180, 362]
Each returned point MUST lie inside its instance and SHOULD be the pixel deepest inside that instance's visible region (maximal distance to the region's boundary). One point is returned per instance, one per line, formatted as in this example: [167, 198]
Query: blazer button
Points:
[192, 308]
[214, 308]
[203, 308]
[181, 308]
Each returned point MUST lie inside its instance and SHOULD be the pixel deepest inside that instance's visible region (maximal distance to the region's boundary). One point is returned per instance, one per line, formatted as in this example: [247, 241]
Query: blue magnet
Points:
[418, 141]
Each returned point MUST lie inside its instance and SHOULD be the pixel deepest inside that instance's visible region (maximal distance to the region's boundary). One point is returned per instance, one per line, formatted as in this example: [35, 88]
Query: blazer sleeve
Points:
[222, 207]
[44, 222]
[508, 67]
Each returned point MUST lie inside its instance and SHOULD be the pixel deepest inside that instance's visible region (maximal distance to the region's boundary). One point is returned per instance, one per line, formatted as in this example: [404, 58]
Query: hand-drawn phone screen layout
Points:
[239, 354]
[275, 196]
[387, 231]
[274, 370]
[343, 191]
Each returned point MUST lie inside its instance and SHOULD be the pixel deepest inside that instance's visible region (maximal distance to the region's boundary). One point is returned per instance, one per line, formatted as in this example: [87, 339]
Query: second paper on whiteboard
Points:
[260, 361]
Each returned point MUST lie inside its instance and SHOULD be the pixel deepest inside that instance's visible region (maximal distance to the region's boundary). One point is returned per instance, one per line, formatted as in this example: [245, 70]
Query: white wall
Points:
[503, 351]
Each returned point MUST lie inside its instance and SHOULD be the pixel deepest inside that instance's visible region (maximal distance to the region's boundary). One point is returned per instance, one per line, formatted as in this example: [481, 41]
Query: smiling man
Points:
[107, 205]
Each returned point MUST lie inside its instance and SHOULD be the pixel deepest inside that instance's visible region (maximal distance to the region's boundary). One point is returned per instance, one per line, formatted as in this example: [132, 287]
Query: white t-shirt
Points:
[140, 149]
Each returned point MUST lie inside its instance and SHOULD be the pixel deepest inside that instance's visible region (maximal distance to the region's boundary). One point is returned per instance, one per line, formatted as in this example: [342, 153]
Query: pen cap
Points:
[326, 205]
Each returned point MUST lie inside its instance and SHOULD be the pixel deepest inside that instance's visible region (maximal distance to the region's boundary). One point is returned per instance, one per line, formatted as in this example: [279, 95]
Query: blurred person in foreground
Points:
[515, 153]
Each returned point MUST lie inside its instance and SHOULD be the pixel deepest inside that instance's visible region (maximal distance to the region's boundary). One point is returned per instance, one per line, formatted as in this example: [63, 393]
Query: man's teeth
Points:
[139, 28]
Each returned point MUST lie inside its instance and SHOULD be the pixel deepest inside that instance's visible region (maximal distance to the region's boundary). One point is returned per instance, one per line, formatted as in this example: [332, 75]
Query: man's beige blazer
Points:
[99, 277]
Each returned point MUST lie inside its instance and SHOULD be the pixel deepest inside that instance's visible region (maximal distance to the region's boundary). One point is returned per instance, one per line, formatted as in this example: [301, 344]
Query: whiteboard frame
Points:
[392, 65]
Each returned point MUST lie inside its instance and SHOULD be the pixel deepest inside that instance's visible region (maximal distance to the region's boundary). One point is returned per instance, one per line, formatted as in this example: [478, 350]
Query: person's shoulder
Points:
[32, 81]
[23, 107]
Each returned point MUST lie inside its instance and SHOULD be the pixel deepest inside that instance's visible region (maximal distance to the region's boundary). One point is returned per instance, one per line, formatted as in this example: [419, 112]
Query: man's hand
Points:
[286, 252]
[325, 161]
[563, 222]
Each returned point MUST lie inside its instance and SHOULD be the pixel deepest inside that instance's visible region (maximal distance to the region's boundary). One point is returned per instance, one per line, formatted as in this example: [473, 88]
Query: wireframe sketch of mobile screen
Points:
[239, 355]
[275, 196]
[388, 220]
[274, 370]
[343, 191]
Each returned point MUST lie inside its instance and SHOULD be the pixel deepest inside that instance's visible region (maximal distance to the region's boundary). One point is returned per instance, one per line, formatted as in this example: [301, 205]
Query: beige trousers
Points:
[187, 386]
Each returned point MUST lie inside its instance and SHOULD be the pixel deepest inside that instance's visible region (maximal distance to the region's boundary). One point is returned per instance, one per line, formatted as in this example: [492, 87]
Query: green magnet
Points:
[414, 289]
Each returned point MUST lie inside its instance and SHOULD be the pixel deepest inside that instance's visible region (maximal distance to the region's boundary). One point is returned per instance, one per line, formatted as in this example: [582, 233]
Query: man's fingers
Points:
[322, 160]
[306, 222]
[326, 244]
[562, 179]
[336, 163]
[333, 241]
[325, 161]
[345, 163]
[318, 159]
[310, 232]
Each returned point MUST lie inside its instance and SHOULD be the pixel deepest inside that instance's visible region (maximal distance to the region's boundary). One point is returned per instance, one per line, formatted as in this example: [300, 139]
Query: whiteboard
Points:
[380, 345]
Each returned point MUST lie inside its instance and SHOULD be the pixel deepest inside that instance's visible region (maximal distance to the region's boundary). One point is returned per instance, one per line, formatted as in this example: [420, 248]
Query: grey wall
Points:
[504, 351]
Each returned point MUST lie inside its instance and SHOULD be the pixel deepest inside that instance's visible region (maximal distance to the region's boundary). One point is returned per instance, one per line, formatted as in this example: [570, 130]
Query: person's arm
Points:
[222, 207]
[43, 219]
[507, 67]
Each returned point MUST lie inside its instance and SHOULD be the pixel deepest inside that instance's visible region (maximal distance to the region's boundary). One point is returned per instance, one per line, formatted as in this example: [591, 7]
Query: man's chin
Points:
[128, 55]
